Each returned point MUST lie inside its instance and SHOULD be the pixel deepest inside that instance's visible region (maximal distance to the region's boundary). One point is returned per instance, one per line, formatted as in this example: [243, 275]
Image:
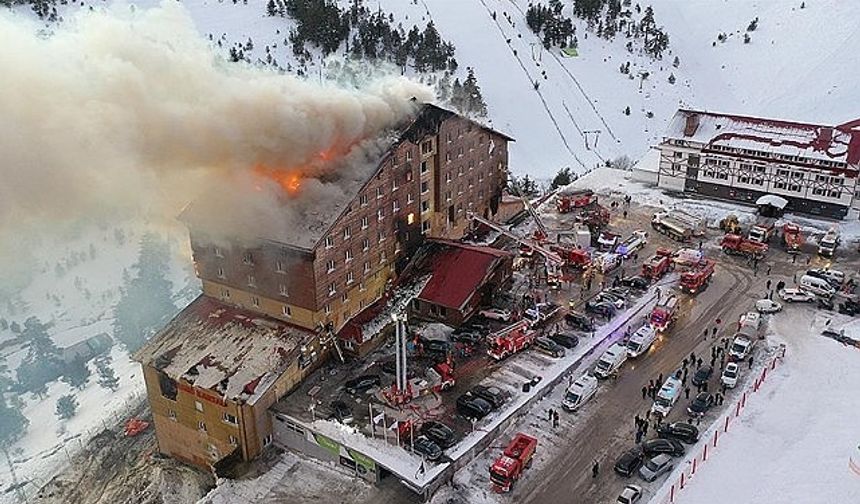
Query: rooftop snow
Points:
[236, 353]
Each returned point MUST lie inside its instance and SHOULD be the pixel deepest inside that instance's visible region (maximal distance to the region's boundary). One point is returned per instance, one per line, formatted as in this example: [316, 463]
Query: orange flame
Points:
[289, 180]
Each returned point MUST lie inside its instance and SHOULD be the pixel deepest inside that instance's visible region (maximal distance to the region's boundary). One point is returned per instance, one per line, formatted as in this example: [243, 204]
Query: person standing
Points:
[687, 393]
[751, 361]
[595, 469]
[644, 392]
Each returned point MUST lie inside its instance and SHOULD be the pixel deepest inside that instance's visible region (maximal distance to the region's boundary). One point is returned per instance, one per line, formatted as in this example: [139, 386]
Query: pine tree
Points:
[472, 93]
[67, 406]
[562, 178]
[76, 374]
[107, 377]
[271, 8]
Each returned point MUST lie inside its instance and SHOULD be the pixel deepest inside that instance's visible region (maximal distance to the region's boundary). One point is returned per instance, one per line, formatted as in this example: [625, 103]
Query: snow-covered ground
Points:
[795, 438]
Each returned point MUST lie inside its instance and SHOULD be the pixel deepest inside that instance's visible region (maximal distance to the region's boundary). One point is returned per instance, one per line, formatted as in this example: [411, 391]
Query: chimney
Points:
[692, 124]
[825, 136]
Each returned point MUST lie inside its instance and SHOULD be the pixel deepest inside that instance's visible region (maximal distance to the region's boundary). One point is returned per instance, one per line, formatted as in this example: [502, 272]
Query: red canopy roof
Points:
[457, 272]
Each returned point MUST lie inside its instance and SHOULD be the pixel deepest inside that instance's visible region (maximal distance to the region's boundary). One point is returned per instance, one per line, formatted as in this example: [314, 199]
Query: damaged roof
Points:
[235, 353]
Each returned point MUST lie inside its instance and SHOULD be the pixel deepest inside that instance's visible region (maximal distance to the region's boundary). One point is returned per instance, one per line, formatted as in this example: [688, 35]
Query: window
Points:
[448, 137]
[219, 252]
[394, 184]
[362, 200]
[362, 288]
[348, 255]
[459, 171]
[267, 440]
[423, 167]
[221, 272]
[350, 277]
[329, 266]
[380, 236]
[233, 440]
[198, 406]
[395, 206]
[447, 157]
[378, 192]
[332, 289]
[409, 175]
[425, 187]
[282, 290]
[448, 177]
[171, 415]
[327, 309]
[201, 425]
[287, 311]
[367, 266]
[225, 294]
[408, 155]
[344, 298]
[380, 214]
[346, 233]
[677, 154]
[230, 419]
[460, 152]
[329, 242]
[447, 195]
[382, 257]
[365, 222]
[425, 206]
[252, 282]
[247, 258]
[365, 244]
[425, 226]
[471, 165]
[279, 266]
[410, 219]
[410, 198]
[255, 301]
[427, 147]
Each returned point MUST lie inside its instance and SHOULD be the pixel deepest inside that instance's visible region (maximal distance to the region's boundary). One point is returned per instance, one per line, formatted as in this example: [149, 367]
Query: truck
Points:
[762, 230]
[696, 224]
[666, 224]
[698, 277]
[658, 264]
[510, 340]
[829, 242]
[596, 218]
[688, 256]
[607, 262]
[508, 468]
[607, 241]
[568, 201]
[576, 258]
[633, 243]
[579, 237]
[667, 396]
[792, 237]
[738, 245]
[730, 224]
[663, 314]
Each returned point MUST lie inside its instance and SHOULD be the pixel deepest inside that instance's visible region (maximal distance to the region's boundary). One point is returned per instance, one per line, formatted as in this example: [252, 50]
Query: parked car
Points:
[473, 407]
[579, 321]
[469, 337]
[796, 296]
[834, 277]
[701, 404]
[602, 308]
[730, 375]
[565, 339]
[740, 349]
[657, 446]
[362, 384]
[826, 303]
[849, 307]
[549, 347]
[655, 467]
[833, 333]
[636, 282]
[423, 446]
[390, 367]
[341, 412]
[702, 375]
[767, 306]
[475, 325]
[681, 431]
[436, 345]
[630, 495]
[609, 297]
[439, 433]
[496, 314]
[629, 461]
[492, 395]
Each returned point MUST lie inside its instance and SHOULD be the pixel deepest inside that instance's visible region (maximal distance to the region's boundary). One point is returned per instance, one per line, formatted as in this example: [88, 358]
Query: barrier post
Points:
[705, 453]
[773, 364]
[682, 480]
[727, 424]
[763, 374]
[744, 400]
[694, 466]
[672, 493]
[738, 409]
[717, 433]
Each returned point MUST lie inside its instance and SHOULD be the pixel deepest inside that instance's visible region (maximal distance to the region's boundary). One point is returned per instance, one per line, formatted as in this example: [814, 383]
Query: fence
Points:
[680, 479]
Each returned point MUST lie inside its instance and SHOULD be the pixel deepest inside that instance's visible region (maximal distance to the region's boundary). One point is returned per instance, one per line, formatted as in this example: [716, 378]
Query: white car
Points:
[730, 375]
[740, 348]
[496, 314]
[796, 296]
[767, 306]
[630, 495]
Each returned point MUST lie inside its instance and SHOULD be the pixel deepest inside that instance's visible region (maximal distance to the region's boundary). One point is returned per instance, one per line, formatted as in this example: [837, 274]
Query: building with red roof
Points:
[813, 166]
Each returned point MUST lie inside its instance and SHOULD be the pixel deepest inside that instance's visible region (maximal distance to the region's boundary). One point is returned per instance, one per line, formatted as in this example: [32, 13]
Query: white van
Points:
[641, 341]
[750, 319]
[579, 392]
[817, 286]
[610, 361]
[667, 396]
[608, 262]
[740, 349]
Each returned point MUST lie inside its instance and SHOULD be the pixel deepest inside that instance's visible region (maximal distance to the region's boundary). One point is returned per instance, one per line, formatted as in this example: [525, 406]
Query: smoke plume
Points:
[126, 110]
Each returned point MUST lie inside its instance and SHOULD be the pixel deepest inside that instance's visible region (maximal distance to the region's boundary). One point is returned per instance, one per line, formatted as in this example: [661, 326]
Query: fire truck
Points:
[571, 200]
[658, 265]
[792, 236]
[607, 241]
[508, 468]
[763, 229]
[738, 245]
[663, 315]
[510, 340]
[573, 257]
[697, 278]
[595, 218]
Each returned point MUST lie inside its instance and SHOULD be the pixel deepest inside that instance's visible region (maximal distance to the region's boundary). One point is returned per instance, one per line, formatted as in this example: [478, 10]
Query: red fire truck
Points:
[738, 245]
[658, 265]
[663, 315]
[792, 237]
[508, 468]
[568, 201]
[697, 278]
[572, 257]
[510, 340]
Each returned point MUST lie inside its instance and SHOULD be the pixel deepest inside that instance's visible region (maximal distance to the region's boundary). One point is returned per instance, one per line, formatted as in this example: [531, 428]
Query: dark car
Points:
[341, 412]
[579, 321]
[618, 291]
[825, 303]
[602, 308]
[436, 346]
[439, 433]
[565, 339]
[701, 404]
[362, 384]
[681, 431]
[549, 347]
[636, 282]
[849, 308]
[657, 446]
[629, 461]
[469, 337]
[474, 325]
[703, 374]
[390, 367]
[473, 407]
[425, 447]
[492, 395]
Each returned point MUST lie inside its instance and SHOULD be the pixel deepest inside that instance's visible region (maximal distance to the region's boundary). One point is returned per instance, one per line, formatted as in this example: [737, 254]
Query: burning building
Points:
[271, 305]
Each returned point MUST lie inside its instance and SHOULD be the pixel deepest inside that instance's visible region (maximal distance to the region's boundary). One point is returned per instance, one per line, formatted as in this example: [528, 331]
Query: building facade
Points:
[740, 158]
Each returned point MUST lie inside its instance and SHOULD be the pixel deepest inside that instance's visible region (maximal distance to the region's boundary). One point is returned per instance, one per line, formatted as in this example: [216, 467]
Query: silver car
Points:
[653, 468]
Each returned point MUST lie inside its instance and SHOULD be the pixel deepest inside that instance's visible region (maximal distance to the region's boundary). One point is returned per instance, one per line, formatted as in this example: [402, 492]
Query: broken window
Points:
[167, 386]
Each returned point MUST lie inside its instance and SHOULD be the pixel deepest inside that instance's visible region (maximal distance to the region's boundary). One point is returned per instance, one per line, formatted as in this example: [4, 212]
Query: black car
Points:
[439, 433]
[492, 395]
[474, 325]
[425, 447]
[618, 291]
[549, 347]
[565, 339]
[657, 446]
[473, 407]
[701, 404]
[436, 346]
[629, 461]
[636, 282]
[602, 308]
[579, 321]
[362, 384]
[703, 374]
[469, 337]
[341, 412]
[681, 431]
[390, 367]
[825, 303]
[849, 308]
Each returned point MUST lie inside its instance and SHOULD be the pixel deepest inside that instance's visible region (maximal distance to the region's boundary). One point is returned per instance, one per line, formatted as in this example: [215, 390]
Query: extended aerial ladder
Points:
[541, 234]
